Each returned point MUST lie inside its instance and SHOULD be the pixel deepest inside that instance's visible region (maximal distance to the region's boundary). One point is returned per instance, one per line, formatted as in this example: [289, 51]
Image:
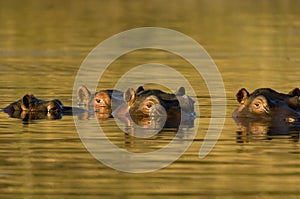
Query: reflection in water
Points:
[30, 116]
[255, 44]
[251, 129]
[144, 126]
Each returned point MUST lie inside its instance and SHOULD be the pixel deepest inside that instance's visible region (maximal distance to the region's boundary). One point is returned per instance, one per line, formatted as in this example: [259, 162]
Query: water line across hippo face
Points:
[267, 104]
[31, 108]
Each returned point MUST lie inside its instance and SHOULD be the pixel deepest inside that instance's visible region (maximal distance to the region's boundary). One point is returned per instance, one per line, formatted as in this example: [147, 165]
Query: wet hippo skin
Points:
[104, 102]
[30, 106]
[266, 103]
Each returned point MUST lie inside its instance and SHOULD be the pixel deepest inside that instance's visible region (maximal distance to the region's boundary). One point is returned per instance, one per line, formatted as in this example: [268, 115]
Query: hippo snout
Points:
[157, 110]
[54, 106]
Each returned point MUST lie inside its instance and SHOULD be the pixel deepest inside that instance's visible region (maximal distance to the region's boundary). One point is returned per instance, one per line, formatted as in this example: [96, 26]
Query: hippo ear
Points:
[295, 92]
[293, 102]
[181, 91]
[242, 95]
[26, 101]
[129, 96]
[139, 89]
[83, 94]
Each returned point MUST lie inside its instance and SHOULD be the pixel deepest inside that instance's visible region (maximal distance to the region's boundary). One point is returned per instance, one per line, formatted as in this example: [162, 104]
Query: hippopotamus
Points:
[266, 113]
[154, 103]
[268, 104]
[145, 107]
[31, 107]
[147, 110]
[104, 102]
[147, 102]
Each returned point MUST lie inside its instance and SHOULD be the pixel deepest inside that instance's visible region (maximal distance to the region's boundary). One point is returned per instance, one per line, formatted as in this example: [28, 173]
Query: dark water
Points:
[42, 45]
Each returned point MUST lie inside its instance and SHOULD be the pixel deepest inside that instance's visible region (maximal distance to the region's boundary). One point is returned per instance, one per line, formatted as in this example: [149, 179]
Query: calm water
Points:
[42, 45]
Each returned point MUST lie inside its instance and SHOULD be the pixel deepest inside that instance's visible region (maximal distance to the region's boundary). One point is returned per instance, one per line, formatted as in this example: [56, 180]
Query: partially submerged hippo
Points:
[143, 107]
[266, 113]
[267, 104]
[152, 109]
[148, 102]
[34, 108]
[103, 102]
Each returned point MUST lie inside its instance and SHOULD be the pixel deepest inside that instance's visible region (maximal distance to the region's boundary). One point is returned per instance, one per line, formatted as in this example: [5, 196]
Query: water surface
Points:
[42, 44]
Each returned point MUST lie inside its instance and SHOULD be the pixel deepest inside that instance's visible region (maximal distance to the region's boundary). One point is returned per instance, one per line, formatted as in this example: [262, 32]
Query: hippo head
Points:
[141, 103]
[31, 108]
[267, 104]
[102, 101]
[147, 101]
[99, 100]
[30, 103]
[34, 107]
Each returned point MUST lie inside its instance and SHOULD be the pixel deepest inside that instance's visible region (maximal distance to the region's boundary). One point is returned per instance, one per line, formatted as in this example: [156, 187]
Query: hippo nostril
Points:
[290, 119]
[267, 110]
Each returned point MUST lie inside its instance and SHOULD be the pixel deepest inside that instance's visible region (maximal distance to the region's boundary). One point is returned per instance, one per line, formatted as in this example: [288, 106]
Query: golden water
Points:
[42, 45]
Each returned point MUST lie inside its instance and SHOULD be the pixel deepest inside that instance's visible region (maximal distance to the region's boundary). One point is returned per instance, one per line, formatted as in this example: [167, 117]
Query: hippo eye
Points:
[149, 105]
[256, 105]
[98, 100]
